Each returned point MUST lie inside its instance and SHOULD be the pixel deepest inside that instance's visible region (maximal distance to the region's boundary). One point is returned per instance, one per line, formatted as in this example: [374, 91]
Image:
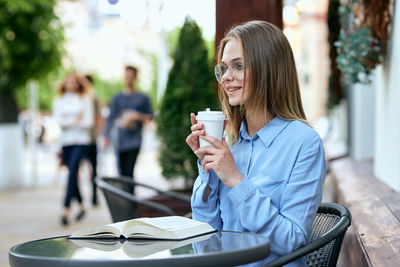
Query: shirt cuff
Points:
[208, 178]
[241, 192]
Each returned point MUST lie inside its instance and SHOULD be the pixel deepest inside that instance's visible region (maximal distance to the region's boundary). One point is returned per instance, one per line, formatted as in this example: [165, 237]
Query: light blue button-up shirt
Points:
[284, 167]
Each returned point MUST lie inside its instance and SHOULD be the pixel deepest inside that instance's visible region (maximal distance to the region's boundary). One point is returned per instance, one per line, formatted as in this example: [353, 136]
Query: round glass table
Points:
[222, 248]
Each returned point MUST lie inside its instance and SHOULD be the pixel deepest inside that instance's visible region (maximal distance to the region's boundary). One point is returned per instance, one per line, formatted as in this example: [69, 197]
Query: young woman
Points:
[269, 179]
[73, 110]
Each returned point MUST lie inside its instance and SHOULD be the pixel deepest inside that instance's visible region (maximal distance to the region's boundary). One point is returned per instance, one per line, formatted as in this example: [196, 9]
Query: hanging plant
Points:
[362, 38]
[358, 52]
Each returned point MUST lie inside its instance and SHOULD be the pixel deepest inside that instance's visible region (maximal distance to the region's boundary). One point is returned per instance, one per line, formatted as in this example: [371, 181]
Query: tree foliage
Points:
[31, 38]
[190, 88]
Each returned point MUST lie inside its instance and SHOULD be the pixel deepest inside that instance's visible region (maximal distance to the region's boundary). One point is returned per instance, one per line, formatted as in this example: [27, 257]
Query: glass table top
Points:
[122, 249]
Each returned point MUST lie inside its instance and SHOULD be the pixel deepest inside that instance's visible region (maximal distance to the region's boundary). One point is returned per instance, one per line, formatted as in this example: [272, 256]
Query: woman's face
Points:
[233, 77]
[71, 84]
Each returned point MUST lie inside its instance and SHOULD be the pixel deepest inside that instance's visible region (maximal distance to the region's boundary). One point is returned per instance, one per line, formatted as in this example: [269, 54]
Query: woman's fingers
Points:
[212, 140]
[224, 143]
[197, 130]
[193, 139]
[193, 118]
[207, 150]
[209, 156]
[206, 163]
[197, 126]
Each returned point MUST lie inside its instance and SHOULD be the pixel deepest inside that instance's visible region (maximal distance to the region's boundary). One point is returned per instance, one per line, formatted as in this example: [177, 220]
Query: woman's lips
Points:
[233, 89]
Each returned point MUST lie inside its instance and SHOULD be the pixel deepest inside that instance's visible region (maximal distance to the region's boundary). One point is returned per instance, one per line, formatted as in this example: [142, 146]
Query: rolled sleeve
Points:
[205, 201]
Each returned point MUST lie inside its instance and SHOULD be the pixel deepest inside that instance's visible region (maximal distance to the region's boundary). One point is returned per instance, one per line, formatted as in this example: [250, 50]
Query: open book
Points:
[168, 227]
[137, 248]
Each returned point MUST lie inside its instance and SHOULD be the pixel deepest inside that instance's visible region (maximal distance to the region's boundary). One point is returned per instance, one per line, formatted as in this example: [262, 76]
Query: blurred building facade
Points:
[367, 179]
[372, 130]
[101, 39]
[309, 40]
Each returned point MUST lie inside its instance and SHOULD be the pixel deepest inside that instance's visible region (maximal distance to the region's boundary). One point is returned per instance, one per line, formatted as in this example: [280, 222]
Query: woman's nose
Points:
[227, 75]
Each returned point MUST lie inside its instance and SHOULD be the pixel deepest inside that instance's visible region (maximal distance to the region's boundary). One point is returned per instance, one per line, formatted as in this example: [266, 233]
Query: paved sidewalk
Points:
[34, 212]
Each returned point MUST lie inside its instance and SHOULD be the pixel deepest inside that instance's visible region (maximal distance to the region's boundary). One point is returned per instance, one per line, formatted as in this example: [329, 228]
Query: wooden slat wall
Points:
[232, 12]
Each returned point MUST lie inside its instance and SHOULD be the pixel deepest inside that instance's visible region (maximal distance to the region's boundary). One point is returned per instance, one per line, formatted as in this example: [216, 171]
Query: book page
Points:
[165, 223]
[98, 232]
[168, 227]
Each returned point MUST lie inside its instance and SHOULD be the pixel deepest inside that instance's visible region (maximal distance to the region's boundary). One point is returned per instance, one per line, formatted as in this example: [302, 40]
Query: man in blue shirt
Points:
[128, 111]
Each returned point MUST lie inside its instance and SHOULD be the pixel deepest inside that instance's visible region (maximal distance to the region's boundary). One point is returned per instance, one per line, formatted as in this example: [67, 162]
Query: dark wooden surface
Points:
[374, 237]
[233, 12]
[179, 207]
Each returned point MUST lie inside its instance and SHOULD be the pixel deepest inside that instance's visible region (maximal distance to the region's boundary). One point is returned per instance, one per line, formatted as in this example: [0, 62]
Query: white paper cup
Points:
[213, 124]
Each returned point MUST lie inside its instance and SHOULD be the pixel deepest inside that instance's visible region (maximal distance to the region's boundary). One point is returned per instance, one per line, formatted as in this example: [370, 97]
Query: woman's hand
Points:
[193, 139]
[220, 160]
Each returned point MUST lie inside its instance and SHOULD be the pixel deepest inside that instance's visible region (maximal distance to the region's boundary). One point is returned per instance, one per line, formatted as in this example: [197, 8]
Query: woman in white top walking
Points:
[73, 109]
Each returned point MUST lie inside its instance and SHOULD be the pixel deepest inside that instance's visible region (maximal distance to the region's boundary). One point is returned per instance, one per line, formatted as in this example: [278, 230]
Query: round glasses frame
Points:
[221, 69]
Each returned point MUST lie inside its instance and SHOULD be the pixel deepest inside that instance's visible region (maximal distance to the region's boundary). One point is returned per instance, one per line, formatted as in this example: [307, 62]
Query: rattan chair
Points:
[328, 230]
[124, 205]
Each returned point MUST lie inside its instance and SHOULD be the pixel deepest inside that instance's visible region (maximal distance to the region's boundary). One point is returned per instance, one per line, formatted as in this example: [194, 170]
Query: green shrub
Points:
[190, 88]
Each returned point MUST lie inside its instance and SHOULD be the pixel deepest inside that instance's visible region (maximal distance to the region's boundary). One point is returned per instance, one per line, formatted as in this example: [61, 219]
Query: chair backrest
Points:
[121, 207]
[328, 230]
[124, 205]
[328, 218]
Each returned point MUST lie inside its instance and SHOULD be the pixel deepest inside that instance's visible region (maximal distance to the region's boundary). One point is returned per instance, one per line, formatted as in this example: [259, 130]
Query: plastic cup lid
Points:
[210, 115]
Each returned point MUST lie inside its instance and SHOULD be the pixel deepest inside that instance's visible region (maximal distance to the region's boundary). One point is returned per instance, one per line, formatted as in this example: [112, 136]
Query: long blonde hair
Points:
[273, 83]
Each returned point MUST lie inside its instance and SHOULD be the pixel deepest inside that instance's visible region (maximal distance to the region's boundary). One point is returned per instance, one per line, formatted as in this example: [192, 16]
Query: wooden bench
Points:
[374, 236]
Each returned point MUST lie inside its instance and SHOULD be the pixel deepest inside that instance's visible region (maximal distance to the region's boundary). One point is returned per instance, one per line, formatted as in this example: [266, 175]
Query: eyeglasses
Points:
[236, 69]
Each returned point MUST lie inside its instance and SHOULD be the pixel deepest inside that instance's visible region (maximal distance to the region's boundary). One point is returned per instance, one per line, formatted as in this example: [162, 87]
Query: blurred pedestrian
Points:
[73, 110]
[128, 111]
[94, 132]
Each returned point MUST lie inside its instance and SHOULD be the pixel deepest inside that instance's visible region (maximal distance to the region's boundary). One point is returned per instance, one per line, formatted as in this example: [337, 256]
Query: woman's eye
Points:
[239, 66]
[223, 69]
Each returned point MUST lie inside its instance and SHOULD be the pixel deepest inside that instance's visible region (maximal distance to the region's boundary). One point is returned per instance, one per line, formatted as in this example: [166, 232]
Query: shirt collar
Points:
[268, 133]
[243, 132]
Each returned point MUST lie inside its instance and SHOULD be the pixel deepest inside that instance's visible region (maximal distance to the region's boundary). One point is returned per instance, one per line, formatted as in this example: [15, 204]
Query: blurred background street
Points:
[100, 38]
[35, 211]
[348, 71]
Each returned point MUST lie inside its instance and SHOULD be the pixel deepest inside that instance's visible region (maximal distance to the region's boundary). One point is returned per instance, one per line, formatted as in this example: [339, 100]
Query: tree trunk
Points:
[11, 144]
[8, 108]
